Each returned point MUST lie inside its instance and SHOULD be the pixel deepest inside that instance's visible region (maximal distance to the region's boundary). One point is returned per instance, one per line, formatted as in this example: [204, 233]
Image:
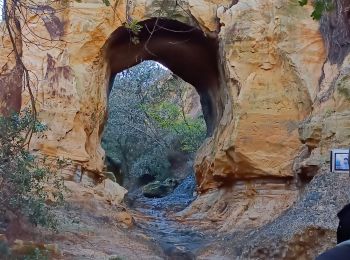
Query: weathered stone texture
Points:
[10, 75]
[284, 95]
[271, 56]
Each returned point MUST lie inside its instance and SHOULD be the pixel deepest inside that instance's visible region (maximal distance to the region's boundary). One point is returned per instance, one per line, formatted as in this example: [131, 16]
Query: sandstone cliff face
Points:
[271, 57]
[274, 74]
[10, 75]
[283, 99]
[272, 54]
[327, 127]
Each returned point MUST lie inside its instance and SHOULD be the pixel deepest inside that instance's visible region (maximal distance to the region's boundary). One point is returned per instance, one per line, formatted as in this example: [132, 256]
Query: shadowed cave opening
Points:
[183, 49]
[154, 129]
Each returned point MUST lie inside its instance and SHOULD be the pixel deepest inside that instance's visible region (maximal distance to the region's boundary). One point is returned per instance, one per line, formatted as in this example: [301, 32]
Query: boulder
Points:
[111, 191]
[125, 219]
[110, 175]
[159, 189]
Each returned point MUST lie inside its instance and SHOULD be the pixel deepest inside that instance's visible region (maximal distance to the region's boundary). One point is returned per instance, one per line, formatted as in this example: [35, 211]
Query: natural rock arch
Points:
[184, 49]
[264, 89]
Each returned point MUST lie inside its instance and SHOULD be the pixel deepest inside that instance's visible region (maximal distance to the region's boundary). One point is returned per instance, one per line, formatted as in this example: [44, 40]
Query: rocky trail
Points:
[145, 228]
[156, 229]
[160, 218]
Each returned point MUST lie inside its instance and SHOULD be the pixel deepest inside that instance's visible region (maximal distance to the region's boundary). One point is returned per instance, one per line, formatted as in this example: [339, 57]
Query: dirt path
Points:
[159, 219]
[92, 229]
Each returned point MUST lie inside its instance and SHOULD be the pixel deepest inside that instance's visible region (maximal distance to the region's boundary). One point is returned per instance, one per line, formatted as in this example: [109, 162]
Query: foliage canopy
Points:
[147, 121]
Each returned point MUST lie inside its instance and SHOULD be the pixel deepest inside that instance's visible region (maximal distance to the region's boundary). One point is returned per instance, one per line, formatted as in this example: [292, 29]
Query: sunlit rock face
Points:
[272, 54]
[269, 62]
[328, 125]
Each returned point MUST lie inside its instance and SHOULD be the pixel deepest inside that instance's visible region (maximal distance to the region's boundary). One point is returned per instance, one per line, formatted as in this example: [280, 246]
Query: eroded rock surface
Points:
[266, 47]
[302, 232]
[270, 60]
[281, 102]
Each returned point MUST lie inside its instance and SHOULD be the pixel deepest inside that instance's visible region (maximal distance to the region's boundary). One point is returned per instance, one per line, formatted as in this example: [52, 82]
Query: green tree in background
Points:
[171, 118]
[147, 121]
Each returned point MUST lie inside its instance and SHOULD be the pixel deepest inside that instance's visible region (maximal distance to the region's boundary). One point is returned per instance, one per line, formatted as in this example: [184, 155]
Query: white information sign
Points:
[340, 160]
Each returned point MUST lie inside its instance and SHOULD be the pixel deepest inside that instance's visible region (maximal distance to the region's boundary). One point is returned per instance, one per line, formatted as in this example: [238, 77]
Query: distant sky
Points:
[1, 5]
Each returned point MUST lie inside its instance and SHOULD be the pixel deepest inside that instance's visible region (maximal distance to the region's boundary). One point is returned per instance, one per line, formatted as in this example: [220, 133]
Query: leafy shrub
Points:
[135, 28]
[24, 177]
[188, 131]
[37, 254]
[192, 133]
[115, 258]
[320, 6]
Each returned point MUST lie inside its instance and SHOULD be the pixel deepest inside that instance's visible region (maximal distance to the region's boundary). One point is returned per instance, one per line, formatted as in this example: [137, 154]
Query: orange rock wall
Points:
[271, 56]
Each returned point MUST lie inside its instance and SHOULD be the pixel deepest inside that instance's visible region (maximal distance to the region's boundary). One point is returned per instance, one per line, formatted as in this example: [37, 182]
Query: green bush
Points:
[24, 177]
[37, 254]
[115, 258]
[320, 7]
[170, 117]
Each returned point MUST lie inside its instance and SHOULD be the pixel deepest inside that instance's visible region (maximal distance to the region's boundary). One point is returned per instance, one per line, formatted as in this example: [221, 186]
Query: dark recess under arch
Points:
[183, 49]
